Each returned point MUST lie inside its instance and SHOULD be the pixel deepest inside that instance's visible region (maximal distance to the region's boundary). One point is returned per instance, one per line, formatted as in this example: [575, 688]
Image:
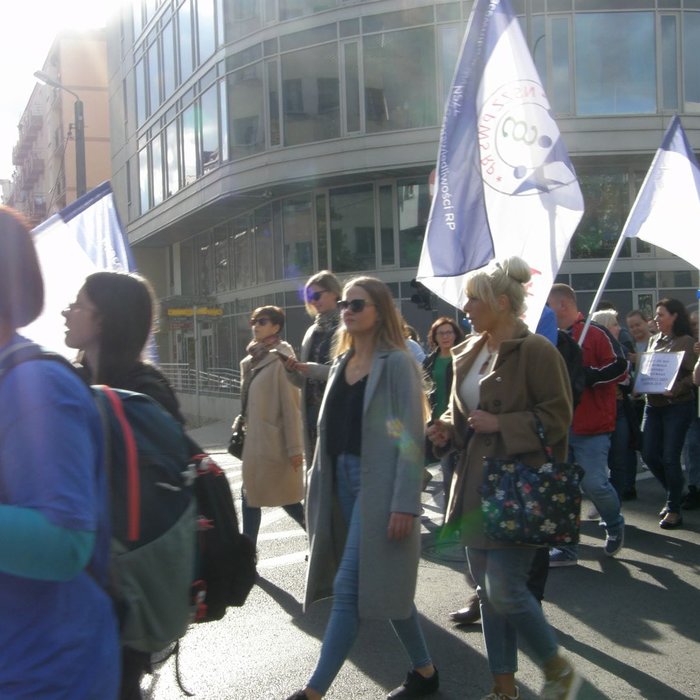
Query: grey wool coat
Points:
[273, 433]
[391, 477]
[529, 376]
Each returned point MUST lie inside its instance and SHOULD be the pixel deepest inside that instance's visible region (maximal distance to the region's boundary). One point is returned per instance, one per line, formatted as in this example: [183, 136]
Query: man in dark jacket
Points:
[594, 419]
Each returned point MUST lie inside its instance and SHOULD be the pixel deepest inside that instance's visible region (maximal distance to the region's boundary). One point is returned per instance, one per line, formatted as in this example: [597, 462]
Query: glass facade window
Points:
[221, 259]
[615, 63]
[144, 197]
[189, 146]
[399, 80]
[154, 74]
[240, 18]
[243, 252]
[140, 86]
[209, 151]
[311, 95]
[669, 62]
[206, 29]
[273, 103]
[205, 265]
[157, 169]
[322, 232]
[264, 245]
[246, 111]
[352, 87]
[414, 209]
[607, 205]
[352, 228]
[289, 9]
[297, 230]
[561, 65]
[169, 74]
[386, 224]
[171, 159]
[184, 27]
[691, 65]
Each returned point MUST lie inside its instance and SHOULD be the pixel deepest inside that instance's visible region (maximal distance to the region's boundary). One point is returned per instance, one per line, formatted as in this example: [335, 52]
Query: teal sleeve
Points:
[32, 547]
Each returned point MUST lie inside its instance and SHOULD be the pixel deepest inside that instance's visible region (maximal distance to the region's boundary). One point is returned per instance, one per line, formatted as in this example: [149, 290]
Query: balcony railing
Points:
[214, 381]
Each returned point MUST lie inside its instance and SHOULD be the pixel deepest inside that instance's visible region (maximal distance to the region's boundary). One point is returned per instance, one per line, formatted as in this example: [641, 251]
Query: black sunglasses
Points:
[355, 305]
[315, 296]
[263, 321]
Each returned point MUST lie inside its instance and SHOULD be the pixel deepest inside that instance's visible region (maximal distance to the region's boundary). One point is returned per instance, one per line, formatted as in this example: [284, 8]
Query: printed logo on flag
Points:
[517, 138]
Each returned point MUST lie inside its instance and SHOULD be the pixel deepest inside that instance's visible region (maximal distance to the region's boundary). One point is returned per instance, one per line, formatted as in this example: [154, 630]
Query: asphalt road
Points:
[630, 624]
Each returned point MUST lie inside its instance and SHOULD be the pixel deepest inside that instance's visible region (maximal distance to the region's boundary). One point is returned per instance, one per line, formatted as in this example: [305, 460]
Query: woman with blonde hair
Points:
[506, 380]
[310, 371]
[363, 500]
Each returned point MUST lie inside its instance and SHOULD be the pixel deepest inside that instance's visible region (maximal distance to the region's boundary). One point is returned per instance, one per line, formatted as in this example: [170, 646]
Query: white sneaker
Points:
[565, 687]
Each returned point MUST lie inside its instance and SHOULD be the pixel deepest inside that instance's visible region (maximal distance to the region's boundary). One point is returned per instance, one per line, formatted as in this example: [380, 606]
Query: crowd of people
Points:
[339, 437]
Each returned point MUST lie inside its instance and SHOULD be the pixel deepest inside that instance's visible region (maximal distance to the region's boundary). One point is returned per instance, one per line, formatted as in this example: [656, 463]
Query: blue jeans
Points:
[344, 621]
[508, 608]
[665, 428]
[691, 452]
[252, 516]
[622, 459]
[591, 452]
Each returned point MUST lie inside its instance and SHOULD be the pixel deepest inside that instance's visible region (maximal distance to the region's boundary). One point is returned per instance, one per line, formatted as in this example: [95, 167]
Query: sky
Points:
[26, 35]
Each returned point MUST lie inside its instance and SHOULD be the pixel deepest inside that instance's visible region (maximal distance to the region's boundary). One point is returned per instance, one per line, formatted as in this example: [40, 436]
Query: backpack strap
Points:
[132, 461]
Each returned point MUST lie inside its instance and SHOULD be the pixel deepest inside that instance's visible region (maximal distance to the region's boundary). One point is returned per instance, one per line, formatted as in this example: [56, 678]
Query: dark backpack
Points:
[153, 518]
[573, 357]
[226, 558]
[152, 511]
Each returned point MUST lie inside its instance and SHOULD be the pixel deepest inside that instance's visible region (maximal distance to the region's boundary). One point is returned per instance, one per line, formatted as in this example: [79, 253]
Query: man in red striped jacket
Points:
[594, 419]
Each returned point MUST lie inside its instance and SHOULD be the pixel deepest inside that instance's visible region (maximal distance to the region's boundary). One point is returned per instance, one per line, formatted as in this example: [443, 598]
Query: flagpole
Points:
[603, 282]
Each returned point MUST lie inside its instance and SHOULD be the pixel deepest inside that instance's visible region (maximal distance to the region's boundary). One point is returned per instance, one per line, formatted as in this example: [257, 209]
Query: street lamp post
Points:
[80, 178]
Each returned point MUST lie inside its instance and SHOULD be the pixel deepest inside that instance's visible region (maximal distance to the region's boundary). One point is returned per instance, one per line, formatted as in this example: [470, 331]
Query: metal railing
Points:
[215, 380]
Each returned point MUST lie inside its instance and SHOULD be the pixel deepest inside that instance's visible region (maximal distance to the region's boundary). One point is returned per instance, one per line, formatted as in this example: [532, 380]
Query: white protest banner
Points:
[657, 372]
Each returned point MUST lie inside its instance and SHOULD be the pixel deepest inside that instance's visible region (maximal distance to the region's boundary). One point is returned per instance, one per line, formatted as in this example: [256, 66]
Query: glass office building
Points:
[258, 141]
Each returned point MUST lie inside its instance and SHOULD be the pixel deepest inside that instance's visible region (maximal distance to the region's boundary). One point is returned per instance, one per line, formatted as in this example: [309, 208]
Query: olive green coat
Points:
[529, 375]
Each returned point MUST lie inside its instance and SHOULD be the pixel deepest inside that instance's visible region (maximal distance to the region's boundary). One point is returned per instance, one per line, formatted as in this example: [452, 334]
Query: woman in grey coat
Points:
[363, 498]
[310, 371]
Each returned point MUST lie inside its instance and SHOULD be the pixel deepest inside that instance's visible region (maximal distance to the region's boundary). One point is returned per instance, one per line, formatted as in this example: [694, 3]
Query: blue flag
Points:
[666, 212]
[504, 183]
[82, 238]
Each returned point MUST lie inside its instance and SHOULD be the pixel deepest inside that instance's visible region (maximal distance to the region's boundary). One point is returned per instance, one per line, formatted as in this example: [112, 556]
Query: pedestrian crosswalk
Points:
[274, 520]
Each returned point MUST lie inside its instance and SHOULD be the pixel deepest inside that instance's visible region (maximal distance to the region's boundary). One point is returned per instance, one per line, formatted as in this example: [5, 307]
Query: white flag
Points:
[84, 237]
[666, 212]
[504, 182]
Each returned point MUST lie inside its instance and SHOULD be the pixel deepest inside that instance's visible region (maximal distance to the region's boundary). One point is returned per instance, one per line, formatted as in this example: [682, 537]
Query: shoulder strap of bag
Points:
[133, 484]
[539, 429]
[244, 401]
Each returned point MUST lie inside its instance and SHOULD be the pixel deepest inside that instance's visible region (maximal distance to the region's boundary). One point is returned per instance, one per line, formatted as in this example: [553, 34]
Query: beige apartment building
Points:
[46, 172]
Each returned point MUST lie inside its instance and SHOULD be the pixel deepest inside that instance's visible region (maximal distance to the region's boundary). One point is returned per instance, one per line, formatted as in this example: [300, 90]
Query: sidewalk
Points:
[213, 437]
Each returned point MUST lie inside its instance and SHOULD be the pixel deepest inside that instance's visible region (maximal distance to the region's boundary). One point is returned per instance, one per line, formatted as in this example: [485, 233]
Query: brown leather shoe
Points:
[466, 616]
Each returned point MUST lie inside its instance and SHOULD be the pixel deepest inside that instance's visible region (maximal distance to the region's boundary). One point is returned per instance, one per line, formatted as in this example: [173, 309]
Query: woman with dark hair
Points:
[668, 415]
[110, 323]
[444, 334]
[273, 452]
[363, 500]
[59, 635]
[310, 371]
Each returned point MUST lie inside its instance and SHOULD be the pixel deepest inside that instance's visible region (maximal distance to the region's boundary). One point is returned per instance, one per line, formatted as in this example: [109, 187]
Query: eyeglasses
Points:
[262, 321]
[450, 332]
[75, 306]
[315, 296]
[355, 305]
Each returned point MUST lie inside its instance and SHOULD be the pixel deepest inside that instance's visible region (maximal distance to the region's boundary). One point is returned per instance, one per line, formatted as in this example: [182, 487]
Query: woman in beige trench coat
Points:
[363, 499]
[272, 455]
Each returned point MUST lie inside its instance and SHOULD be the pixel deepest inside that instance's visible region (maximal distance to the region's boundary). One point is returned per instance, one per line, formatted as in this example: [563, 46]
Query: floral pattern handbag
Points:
[535, 506]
